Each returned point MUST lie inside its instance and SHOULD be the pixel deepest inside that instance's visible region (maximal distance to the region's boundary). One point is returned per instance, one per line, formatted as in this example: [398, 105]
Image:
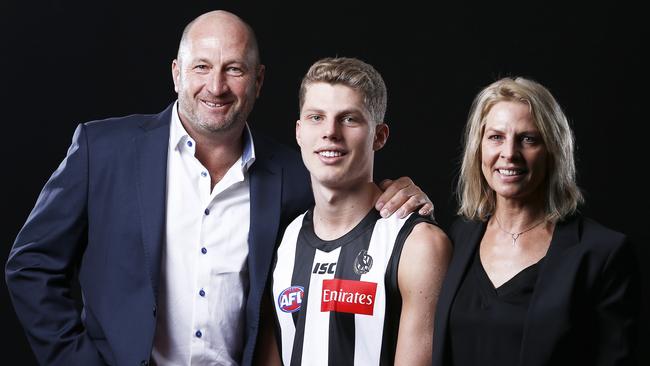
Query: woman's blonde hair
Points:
[475, 197]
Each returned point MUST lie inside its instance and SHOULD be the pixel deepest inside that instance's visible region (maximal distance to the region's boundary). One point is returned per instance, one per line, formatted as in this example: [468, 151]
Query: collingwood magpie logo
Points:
[362, 263]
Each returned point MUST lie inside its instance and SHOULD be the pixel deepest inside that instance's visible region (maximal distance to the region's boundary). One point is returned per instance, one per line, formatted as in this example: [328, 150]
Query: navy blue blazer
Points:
[584, 309]
[101, 216]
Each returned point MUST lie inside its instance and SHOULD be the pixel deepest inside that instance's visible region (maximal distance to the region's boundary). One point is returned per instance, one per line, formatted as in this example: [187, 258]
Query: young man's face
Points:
[337, 136]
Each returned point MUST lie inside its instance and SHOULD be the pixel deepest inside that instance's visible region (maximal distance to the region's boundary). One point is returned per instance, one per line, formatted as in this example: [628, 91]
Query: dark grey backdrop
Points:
[66, 62]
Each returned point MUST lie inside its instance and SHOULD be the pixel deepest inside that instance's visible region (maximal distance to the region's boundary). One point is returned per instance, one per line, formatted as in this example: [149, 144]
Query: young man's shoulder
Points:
[417, 226]
[429, 235]
[429, 232]
[426, 242]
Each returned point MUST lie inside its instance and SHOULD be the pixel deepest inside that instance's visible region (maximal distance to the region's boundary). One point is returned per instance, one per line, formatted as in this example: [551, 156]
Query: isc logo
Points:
[322, 268]
[290, 299]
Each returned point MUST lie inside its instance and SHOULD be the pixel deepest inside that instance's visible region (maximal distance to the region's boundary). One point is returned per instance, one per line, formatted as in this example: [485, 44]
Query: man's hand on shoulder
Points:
[402, 196]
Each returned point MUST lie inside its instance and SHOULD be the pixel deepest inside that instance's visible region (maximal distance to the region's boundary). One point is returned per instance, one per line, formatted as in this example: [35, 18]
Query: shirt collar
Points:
[178, 138]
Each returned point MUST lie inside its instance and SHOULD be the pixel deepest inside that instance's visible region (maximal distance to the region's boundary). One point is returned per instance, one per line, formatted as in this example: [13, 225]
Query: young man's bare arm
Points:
[422, 267]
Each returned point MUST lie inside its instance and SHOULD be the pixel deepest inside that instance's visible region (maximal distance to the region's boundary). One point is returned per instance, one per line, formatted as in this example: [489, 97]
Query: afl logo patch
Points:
[362, 263]
[290, 299]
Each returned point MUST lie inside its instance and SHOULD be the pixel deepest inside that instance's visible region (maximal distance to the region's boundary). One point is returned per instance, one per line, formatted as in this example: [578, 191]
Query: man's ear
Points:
[381, 136]
[176, 70]
[259, 79]
[298, 133]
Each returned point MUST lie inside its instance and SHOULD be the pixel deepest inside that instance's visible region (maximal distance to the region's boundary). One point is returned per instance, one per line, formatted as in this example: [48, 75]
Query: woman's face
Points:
[513, 154]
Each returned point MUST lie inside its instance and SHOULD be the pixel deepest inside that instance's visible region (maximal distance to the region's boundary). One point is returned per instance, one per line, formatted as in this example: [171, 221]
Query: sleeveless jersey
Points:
[337, 302]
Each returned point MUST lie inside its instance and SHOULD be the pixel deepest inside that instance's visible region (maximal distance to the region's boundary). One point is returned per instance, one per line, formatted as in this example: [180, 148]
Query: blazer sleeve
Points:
[617, 308]
[40, 271]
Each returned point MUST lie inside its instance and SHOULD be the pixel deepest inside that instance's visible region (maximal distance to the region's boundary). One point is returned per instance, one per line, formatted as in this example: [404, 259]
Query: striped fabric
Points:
[337, 302]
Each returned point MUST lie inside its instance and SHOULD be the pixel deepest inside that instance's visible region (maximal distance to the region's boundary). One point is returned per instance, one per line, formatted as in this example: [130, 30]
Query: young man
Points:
[349, 286]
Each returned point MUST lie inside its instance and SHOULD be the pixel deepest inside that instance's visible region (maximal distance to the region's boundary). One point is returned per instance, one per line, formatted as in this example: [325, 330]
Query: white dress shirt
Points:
[204, 273]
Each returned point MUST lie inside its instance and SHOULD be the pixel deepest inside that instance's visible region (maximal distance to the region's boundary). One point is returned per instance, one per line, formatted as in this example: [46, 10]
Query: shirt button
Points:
[207, 211]
[202, 293]
[203, 250]
[204, 174]
[189, 143]
[144, 363]
[198, 334]
[154, 311]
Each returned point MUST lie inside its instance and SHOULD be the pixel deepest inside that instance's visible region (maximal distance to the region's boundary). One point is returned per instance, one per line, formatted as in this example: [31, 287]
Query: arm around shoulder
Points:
[422, 267]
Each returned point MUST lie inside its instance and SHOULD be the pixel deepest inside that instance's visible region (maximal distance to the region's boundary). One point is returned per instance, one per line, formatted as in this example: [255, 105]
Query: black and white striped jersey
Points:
[337, 302]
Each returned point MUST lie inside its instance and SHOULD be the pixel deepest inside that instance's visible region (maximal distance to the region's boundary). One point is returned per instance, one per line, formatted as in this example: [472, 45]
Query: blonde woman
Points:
[531, 282]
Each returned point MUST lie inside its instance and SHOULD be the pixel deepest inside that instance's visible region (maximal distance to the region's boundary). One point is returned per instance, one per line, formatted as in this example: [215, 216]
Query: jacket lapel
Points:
[466, 236]
[265, 196]
[544, 317]
[151, 181]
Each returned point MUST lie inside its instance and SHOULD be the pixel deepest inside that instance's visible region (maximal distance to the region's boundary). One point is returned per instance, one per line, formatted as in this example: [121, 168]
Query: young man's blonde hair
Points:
[353, 73]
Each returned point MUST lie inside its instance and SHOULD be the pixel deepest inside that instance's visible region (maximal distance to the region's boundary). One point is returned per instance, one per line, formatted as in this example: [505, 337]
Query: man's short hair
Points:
[353, 73]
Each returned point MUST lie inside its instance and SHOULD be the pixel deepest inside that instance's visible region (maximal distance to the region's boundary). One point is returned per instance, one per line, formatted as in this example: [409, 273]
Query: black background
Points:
[66, 62]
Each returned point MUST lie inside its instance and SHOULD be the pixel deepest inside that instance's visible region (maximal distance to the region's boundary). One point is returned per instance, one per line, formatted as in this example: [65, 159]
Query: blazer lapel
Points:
[265, 196]
[151, 181]
[544, 316]
[468, 236]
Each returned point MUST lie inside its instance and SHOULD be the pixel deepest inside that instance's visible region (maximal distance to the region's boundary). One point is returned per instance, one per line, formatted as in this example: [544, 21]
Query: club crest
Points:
[362, 263]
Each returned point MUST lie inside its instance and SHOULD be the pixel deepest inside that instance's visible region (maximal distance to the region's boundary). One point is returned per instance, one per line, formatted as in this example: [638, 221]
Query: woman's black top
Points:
[486, 324]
